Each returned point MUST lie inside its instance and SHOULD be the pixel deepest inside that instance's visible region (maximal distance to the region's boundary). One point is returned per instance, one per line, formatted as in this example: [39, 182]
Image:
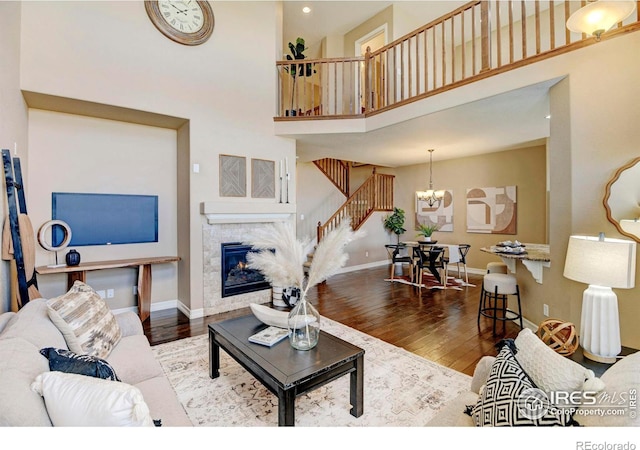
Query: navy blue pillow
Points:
[62, 360]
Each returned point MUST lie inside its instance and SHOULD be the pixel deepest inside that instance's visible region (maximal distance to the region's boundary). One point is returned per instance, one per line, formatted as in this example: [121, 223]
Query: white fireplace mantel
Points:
[246, 212]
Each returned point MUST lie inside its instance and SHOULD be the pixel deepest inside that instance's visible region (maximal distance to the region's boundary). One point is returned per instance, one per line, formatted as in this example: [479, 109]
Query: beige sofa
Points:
[24, 334]
[616, 389]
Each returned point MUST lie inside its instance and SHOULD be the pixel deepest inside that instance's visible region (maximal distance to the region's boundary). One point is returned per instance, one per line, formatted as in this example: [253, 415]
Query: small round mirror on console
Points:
[622, 199]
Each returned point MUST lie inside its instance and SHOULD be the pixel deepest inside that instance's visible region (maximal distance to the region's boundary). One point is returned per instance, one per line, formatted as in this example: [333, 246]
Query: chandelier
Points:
[597, 17]
[430, 196]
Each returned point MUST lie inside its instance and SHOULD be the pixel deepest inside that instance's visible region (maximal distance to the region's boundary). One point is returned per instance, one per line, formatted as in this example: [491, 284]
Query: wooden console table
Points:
[143, 265]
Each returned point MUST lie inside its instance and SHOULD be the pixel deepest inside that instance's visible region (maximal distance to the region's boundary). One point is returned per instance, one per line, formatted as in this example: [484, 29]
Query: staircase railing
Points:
[375, 194]
[477, 40]
[337, 171]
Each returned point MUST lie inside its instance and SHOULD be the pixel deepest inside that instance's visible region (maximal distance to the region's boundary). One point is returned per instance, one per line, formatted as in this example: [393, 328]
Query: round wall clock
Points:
[188, 22]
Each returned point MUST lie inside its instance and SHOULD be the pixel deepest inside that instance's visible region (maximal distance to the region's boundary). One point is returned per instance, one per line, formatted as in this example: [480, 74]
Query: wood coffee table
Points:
[285, 371]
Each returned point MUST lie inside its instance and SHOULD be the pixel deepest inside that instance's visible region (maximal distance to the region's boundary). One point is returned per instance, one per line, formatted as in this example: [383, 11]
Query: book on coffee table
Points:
[269, 336]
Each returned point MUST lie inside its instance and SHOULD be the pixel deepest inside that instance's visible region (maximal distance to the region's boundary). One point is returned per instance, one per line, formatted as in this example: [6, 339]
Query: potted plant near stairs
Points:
[297, 70]
[394, 222]
[426, 231]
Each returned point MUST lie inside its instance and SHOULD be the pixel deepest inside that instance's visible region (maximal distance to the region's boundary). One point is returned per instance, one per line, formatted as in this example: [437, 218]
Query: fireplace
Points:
[237, 278]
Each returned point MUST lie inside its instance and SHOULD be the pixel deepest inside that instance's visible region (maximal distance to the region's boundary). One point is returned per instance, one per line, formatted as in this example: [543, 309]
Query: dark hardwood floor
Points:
[440, 325]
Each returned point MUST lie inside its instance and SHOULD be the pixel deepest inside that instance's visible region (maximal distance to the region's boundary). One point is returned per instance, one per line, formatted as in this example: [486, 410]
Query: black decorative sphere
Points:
[72, 258]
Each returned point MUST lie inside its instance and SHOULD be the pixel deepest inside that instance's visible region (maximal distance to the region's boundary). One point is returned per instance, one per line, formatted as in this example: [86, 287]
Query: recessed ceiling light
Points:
[548, 116]
[306, 10]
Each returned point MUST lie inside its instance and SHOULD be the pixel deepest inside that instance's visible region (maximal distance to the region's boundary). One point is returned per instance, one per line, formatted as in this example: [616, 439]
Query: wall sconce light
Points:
[599, 16]
[430, 196]
[602, 264]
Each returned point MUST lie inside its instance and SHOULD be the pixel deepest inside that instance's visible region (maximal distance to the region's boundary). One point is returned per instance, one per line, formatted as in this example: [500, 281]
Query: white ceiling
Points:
[510, 120]
[332, 17]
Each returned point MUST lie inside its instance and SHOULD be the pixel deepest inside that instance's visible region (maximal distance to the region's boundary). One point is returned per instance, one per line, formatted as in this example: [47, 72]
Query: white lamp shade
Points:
[608, 262]
[599, 16]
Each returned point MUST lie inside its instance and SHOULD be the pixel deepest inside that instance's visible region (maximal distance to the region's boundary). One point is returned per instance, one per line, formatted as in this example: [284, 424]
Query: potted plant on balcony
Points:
[426, 230]
[297, 70]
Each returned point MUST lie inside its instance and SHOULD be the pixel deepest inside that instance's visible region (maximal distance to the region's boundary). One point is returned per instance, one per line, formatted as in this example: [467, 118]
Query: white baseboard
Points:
[370, 265]
[168, 304]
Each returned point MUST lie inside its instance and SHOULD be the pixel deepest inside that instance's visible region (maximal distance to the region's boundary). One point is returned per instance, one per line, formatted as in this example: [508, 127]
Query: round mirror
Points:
[622, 199]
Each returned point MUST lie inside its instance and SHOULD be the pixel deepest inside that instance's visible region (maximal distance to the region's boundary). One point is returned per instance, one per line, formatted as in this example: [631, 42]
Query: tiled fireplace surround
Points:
[225, 222]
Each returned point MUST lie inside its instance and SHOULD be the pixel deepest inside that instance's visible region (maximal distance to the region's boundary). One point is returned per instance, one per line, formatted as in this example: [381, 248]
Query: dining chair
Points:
[463, 249]
[430, 258]
[397, 257]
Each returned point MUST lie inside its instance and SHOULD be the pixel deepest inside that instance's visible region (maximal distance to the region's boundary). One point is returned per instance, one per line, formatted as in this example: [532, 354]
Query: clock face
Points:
[185, 16]
[189, 22]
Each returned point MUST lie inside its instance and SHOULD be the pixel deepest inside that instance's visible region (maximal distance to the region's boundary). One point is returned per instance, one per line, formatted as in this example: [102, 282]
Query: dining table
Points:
[452, 254]
[533, 256]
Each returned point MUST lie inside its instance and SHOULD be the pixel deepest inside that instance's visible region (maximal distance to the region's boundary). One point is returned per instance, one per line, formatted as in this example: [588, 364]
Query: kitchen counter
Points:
[534, 259]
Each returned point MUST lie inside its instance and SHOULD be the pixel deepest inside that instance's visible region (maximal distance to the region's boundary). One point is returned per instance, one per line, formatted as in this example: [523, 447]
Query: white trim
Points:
[384, 28]
[364, 266]
[227, 212]
[168, 304]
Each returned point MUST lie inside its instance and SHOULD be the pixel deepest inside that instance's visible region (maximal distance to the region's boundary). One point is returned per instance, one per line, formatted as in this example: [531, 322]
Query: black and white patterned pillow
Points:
[511, 398]
[62, 360]
[291, 296]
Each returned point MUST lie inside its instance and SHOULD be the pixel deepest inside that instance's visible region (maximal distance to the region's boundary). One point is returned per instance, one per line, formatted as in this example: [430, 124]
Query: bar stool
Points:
[497, 267]
[498, 287]
[492, 267]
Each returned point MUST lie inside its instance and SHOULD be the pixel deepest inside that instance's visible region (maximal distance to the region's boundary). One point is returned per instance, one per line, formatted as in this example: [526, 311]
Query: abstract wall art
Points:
[492, 210]
[440, 214]
[263, 178]
[233, 176]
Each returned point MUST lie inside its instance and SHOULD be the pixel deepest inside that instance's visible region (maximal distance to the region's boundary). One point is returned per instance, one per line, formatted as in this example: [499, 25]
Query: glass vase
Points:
[304, 325]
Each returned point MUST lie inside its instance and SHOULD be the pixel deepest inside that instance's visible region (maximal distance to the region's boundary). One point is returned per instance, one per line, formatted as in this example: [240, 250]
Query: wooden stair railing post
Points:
[367, 80]
[485, 33]
[376, 200]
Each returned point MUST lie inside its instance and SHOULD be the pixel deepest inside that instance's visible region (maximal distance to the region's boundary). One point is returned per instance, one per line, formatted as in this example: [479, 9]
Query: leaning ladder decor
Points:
[15, 187]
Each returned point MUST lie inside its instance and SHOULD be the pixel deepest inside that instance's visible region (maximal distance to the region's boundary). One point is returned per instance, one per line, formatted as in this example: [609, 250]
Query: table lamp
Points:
[602, 263]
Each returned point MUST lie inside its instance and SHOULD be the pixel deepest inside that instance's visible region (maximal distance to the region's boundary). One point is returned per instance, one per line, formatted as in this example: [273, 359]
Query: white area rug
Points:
[401, 389]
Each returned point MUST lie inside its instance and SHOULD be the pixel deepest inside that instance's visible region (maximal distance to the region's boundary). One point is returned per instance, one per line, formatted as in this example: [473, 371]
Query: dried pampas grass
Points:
[280, 256]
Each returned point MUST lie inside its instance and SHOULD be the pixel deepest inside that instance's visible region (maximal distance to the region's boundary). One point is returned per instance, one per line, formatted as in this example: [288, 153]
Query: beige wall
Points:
[72, 153]
[13, 113]
[109, 53]
[524, 168]
[383, 17]
[604, 135]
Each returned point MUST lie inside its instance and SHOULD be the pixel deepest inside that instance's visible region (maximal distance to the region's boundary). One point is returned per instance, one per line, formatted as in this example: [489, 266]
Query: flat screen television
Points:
[105, 219]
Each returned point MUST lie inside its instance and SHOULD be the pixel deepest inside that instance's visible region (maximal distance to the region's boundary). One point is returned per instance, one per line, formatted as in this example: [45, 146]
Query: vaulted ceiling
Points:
[513, 119]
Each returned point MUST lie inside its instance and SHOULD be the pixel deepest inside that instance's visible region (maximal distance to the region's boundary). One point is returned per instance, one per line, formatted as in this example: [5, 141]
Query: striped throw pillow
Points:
[86, 322]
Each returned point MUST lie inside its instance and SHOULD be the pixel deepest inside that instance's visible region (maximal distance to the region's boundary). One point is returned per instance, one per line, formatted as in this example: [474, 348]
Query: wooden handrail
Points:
[375, 194]
[444, 54]
[337, 171]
